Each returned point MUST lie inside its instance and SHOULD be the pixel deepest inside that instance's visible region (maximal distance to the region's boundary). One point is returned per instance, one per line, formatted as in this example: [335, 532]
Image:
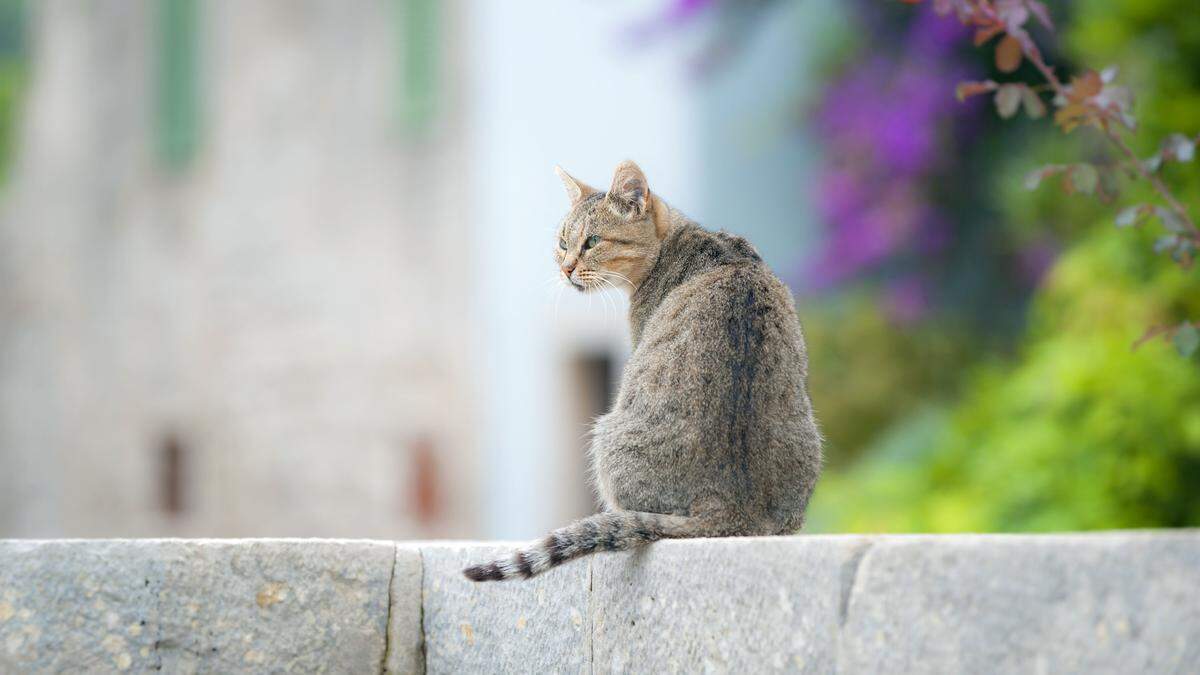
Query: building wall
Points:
[285, 307]
[556, 83]
[758, 157]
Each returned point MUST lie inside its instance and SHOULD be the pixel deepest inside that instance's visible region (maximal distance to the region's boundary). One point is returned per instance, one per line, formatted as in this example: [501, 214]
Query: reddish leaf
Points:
[1086, 86]
[965, 90]
[1073, 115]
[1008, 54]
[987, 33]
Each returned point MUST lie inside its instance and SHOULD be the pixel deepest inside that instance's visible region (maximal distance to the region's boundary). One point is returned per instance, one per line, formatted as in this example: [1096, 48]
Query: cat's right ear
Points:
[577, 191]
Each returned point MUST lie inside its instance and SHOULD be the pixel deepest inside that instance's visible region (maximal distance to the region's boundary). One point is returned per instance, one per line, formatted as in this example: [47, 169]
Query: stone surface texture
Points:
[538, 625]
[193, 606]
[716, 605]
[406, 637]
[1120, 603]
[1076, 603]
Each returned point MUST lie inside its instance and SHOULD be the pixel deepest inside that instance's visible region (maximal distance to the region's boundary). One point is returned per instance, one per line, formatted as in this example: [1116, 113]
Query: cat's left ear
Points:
[577, 191]
[629, 187]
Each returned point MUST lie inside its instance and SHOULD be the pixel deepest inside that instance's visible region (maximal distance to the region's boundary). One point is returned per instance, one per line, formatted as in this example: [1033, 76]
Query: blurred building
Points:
[232, 286]
[285, 268]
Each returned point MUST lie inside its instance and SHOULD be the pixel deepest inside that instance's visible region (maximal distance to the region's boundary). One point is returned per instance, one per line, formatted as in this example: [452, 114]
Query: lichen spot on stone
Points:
[6, 611]
[113, 644]
[271, 594]
[521, 623]
[468, 633]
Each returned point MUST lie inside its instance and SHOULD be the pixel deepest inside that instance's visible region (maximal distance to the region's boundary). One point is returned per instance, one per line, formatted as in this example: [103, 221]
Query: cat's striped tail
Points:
[609, 531]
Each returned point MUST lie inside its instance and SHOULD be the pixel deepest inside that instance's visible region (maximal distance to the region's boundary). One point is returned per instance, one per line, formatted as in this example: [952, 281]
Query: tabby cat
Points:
[712, 433]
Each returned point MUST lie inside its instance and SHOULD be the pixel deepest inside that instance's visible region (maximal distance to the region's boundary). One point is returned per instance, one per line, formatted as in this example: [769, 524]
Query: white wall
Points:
[553, 83]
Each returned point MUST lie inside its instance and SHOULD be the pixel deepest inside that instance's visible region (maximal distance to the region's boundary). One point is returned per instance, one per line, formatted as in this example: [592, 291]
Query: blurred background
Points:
[283, 268]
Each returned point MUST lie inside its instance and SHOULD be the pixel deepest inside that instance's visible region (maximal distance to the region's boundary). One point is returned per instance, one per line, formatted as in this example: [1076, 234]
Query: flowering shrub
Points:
[1076, 430]
[1081, 432]
[873, 200]
[1091, 99]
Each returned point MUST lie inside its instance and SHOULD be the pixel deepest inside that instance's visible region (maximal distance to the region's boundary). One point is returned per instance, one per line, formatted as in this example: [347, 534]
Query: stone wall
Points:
[1113, 602]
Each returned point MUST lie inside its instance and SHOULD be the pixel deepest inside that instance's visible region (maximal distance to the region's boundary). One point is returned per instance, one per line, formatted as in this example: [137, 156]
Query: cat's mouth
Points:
[580, 286]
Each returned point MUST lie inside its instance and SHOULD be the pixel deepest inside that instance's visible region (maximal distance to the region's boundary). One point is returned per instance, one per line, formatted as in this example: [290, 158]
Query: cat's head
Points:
[610, 237]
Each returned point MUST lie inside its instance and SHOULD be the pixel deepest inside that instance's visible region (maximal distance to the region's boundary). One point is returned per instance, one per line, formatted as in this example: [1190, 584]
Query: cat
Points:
[712, 433]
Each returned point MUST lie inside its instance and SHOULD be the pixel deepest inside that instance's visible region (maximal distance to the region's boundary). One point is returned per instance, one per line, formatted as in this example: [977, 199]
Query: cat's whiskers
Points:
[590, 285]
[611, 300]
[607, 285]
[598, 284]
[590, 279]
[555, 284]
[618, 275]
[555, 280]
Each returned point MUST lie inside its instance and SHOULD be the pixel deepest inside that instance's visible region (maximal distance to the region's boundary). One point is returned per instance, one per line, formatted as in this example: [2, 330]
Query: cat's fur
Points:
[712, 433]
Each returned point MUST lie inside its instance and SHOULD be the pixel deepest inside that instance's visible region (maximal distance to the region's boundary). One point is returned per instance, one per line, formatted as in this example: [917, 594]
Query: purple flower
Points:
[887, 123]
[935, 36]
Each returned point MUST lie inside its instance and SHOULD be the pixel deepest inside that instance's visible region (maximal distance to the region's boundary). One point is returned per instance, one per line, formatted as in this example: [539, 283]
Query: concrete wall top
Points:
[1106, 602]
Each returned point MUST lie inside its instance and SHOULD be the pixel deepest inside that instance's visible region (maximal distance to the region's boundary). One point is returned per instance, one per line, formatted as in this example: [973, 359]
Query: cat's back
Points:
[713, 402]
[727, 337]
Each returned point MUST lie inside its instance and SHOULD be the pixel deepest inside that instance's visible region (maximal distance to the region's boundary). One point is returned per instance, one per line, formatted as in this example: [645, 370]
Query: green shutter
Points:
[13, 69]
[178, 104]
[419, 40]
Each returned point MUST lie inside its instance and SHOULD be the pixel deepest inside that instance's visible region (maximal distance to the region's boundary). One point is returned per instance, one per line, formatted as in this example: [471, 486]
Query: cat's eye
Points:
[591, 241]
[562, 243]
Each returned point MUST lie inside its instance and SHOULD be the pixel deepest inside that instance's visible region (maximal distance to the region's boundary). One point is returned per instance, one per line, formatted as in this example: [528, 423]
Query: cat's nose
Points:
[567, 268]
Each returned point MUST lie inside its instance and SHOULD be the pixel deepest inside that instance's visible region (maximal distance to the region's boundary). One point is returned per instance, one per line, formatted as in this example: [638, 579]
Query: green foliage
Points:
[1080, 430]
[1157, 44]
[867, 372]
[1084, 432]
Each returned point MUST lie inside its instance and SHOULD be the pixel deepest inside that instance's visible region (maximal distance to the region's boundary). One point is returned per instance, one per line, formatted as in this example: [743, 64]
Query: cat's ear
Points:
[577, 191]
[629, 188]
